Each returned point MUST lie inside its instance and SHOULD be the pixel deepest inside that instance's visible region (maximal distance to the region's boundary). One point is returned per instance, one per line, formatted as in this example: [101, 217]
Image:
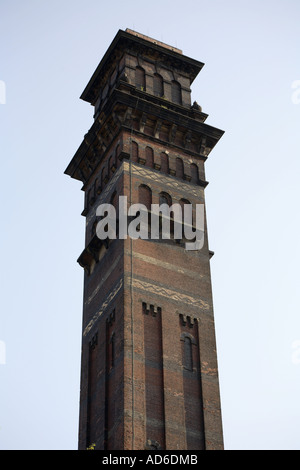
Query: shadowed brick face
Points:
[149, 377]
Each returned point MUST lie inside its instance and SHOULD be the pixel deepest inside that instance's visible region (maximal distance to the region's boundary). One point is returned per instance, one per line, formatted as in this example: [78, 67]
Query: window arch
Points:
[149, 157]
[176, 92]
[164, 163]
[165, 198]
[134, 151]
[145, 196]
[140, 79]
[158, 85]
[179, 167]
[183, 201]
[194, 173]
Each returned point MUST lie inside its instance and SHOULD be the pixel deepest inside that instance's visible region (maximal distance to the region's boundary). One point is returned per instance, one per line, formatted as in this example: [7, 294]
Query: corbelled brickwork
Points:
[149, 375]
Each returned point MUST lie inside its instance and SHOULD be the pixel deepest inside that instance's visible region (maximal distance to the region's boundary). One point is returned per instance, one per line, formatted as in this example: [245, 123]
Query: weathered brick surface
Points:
[149, 375]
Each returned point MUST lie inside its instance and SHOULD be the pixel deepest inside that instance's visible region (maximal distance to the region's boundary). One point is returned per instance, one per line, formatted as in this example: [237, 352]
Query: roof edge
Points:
[137, 38]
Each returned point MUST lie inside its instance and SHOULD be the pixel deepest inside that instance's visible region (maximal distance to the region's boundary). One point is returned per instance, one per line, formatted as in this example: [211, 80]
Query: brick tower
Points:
[149, 377]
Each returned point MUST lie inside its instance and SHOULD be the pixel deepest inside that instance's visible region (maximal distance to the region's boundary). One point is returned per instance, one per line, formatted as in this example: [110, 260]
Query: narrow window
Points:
[145, 196]
[176, 92]
[182, 202]
[158, 85]
[194, 173]
[134, 151]
[165, 198]
[149, 157]
[179, 168]
[164, 162]
[140, 81]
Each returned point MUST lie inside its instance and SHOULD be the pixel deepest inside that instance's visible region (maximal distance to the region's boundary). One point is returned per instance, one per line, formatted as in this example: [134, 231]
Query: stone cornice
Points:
[124, 40]
[126, 105]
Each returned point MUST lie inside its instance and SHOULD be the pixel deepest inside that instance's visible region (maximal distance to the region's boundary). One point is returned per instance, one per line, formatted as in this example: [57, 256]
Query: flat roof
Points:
[154, 41]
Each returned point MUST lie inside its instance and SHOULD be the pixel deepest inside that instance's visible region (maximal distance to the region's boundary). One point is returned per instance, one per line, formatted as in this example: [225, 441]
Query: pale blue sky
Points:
[48, 51]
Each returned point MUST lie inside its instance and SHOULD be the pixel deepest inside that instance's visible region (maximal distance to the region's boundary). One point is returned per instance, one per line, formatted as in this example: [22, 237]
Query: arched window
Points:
[140, 80]
[134, 151]
[149, 157]
[194, 173]
[176, 92]
[145, 196]
[179, 168]
[165, 198]
[158, 85]
[182, 202]
[164, 162]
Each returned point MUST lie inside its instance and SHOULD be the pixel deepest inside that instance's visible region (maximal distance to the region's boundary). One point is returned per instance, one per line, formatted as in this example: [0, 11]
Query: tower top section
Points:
[144, 86]
[140, 45]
